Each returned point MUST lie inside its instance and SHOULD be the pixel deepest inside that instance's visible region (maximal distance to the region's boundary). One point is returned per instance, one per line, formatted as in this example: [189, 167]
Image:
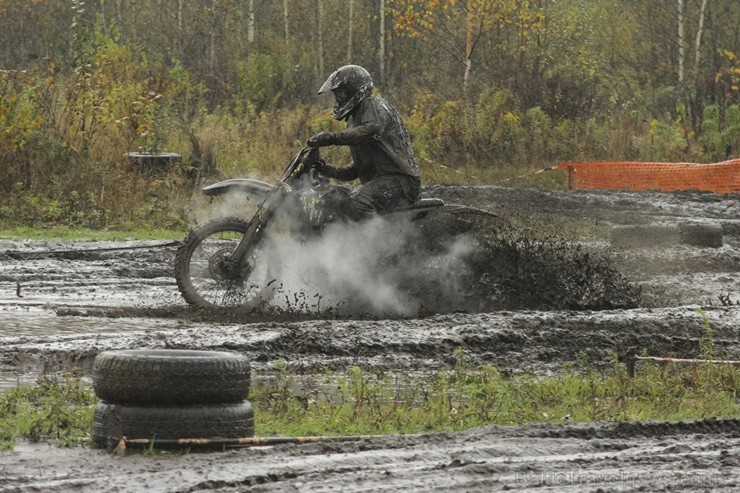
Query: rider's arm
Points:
[346, 173]
[364, 133]
[365, 128]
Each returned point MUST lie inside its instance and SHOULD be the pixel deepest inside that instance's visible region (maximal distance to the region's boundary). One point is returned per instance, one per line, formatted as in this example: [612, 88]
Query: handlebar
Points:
[301, 162]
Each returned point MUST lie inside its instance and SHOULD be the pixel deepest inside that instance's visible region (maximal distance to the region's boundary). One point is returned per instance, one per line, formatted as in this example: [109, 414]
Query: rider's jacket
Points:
[379, 143]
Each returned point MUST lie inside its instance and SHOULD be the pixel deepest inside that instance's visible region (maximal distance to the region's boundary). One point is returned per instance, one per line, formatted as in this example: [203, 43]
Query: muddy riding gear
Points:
[379, 144]
[382, 194]
[356, 84]
[378, 141]
[321, 166]
[321, 139]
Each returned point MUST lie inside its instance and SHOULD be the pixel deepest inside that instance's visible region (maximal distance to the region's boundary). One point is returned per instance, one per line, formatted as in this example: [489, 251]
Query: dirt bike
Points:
[221, 263]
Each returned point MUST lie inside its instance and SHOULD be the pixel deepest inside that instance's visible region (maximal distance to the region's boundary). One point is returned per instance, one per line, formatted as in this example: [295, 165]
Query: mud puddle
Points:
[58, 312]
[44, 273]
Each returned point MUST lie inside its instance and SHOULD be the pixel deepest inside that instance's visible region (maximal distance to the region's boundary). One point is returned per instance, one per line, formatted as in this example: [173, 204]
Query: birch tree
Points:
[688, 86]
[699, 34]
[250, 22]
[286, 21]
[681, 39]
[680, 43]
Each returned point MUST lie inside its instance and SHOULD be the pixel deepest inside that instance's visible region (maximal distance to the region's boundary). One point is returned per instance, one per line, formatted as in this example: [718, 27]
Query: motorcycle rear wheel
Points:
[207, 278]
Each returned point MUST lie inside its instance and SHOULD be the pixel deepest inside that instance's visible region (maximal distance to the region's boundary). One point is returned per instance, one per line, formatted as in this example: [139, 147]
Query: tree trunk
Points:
[134, 20]
[180, 37]
[286, 9]
[349, 30]
[468, 45]
[119, 19]
[680, 43]
[686, 96]
[381, 44]
[699, 33]
[212, 48]
[320, 9]
[250, 23]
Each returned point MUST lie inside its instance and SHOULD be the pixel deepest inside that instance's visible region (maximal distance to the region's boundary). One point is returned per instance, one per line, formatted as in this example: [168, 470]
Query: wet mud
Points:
[691, 456]
[613, 273]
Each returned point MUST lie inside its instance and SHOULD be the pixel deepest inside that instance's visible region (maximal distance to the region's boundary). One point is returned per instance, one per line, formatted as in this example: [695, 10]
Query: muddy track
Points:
[687, 456]
[58, 311]
[534, 342]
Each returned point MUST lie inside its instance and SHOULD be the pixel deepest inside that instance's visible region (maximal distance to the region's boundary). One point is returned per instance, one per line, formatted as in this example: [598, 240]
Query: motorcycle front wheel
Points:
[208, 278]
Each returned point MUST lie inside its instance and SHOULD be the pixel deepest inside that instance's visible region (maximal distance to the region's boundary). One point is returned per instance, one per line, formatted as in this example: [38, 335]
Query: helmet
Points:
[355, 81]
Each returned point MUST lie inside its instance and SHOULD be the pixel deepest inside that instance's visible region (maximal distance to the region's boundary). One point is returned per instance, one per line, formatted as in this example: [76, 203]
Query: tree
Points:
[286, 19]
[680, 43]
[381, 43]
[320, 30]
[350, 19]
[444, 22]
[250, 22]
[458, 26]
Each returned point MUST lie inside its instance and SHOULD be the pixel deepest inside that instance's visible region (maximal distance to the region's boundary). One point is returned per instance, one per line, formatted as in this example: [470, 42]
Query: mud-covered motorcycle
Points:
[221, 263]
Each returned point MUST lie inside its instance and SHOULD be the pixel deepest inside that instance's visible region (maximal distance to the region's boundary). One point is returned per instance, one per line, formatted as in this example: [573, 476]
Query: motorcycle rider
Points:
[382, 156]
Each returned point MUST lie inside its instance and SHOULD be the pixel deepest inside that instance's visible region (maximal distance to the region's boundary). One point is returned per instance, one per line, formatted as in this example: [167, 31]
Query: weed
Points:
[72, 234]
[57, 407]
[463, 397]
[707, 341]
[356, 401]
[151, 451]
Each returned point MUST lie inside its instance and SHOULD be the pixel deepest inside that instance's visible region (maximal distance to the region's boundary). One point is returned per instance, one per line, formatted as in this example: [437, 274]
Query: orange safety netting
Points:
[721, 177]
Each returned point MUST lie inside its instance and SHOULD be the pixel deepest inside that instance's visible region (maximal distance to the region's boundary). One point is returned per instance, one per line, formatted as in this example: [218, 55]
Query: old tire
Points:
[704, 234]
[204, 421]
[699, 234]
[165, 376]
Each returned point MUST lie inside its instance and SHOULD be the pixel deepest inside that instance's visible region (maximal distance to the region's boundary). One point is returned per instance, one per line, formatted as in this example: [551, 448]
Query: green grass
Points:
[358, 402]
[56, 408]
[70, 234]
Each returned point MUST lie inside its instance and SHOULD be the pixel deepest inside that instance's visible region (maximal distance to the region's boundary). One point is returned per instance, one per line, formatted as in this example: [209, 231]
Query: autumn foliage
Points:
[490, 90]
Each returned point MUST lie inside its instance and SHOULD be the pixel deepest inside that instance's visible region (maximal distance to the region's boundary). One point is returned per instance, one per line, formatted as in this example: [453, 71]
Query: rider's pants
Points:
[381, 194]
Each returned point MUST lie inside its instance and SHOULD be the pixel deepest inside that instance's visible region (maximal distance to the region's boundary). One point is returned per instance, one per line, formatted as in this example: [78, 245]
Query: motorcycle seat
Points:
[430, 203]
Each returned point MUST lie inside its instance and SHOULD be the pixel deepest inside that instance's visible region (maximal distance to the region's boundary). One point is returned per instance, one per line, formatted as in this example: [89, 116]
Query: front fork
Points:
[258, 224]
[272, 202]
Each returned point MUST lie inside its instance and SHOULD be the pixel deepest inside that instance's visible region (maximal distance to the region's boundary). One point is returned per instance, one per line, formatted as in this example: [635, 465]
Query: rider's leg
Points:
[381, 194]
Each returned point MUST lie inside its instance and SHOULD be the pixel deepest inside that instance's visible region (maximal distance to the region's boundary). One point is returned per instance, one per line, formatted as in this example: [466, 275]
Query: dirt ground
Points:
[680, 251]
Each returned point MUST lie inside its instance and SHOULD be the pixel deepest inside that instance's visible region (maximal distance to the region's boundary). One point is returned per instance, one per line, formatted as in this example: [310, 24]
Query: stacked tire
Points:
[169, 395]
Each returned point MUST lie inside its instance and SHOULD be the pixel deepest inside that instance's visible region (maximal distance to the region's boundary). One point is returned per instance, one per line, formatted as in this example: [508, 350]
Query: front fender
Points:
[257, 188]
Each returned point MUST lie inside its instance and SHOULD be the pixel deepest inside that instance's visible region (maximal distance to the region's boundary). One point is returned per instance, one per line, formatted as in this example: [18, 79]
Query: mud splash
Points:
[454, 259]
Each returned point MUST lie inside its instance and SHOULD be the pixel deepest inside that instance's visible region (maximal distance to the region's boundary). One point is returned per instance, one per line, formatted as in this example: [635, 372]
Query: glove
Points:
[324, 169]
[321, 139]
